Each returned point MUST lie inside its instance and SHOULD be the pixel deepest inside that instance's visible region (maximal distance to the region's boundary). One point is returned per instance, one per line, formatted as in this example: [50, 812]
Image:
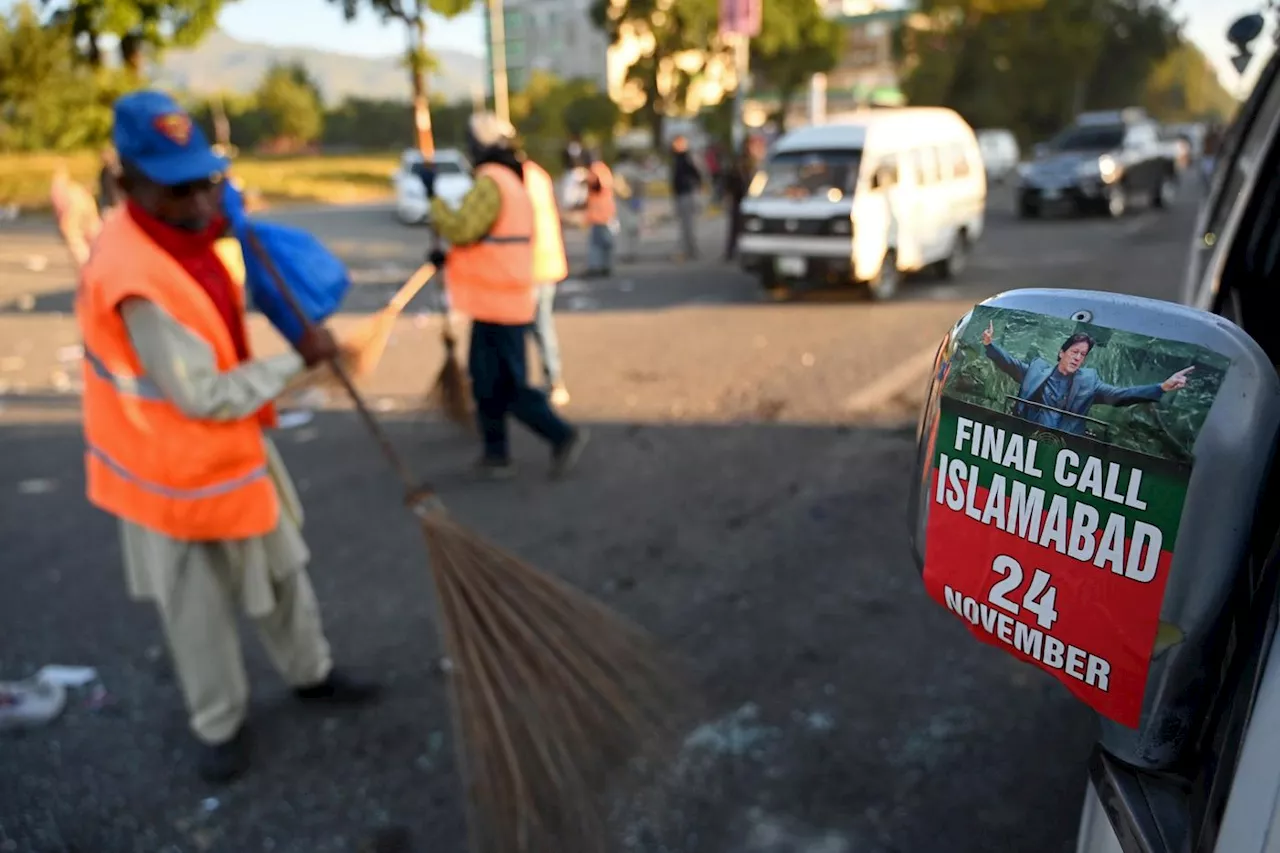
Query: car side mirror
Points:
[1088, 470]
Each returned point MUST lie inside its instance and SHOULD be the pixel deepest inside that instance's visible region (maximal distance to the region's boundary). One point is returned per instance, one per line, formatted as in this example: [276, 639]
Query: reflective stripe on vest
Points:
[209, 491]
[146, 461]
[491, 280]
[133, 386]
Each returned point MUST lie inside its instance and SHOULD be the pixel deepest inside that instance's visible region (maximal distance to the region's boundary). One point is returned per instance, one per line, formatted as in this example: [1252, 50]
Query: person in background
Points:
[76, 213]
[715, 171]
[176, 410]
[550, 267]
[686, 182]
[629, 188]
[602, 216]
[109, 194]
[488, 274]
[737, 181]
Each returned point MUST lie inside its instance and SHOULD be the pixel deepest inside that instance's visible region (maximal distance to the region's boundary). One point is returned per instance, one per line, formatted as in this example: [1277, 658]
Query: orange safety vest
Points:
[492, 280]
[601, 208]
[146, 461]
[549, 261]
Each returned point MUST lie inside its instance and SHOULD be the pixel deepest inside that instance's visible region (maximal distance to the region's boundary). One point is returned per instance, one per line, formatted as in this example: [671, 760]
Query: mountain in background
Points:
[222, 63]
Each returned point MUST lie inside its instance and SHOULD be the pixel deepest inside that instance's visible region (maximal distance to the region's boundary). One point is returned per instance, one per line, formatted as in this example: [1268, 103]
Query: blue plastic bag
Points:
[316, 278]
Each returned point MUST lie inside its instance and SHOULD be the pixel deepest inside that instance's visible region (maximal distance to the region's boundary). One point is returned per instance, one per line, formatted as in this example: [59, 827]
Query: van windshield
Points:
[829, 173]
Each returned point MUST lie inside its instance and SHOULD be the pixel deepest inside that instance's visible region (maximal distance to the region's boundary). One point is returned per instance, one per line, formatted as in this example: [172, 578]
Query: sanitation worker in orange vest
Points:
[550, 267]
[489, 274]
[602, 211]
[175, 409]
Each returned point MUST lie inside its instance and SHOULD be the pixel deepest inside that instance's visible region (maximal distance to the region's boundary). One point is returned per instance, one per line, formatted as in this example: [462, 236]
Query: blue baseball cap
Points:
[158, 137]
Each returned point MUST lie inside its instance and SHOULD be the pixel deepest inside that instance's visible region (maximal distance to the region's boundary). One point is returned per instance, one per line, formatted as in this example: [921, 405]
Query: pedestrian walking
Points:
[489, 272]
[629, 189]
[602, 218]
[550, 267]
[737, 181]
[175, 407]
[686, 183]
[77, 215]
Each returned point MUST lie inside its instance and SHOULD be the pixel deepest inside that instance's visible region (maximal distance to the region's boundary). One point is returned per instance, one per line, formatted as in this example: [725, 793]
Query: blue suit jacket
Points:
[1086, 389]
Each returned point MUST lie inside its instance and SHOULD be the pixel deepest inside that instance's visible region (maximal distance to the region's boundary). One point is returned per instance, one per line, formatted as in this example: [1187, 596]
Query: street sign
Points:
[740, 17]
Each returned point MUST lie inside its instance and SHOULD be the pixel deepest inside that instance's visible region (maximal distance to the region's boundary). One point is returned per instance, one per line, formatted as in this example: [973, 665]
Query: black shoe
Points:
[495, 469]
[339, 689]
[220, 763]
[565, 457]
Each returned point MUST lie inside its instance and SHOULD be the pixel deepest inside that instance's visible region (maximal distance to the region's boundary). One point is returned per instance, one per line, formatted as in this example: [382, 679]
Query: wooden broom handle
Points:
[414, 492]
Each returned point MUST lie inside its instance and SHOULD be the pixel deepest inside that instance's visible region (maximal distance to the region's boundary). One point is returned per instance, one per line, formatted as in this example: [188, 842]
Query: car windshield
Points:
[1098, 138]
[805, 174]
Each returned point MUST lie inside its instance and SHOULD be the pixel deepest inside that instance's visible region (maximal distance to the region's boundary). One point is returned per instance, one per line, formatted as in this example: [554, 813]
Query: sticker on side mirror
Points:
[1061, 453]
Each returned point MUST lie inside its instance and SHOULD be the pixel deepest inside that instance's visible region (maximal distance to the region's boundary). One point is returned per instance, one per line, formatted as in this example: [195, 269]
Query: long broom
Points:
[554, 697]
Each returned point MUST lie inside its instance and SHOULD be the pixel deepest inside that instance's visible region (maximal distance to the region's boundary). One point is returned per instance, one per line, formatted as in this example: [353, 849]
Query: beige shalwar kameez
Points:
[196, 586]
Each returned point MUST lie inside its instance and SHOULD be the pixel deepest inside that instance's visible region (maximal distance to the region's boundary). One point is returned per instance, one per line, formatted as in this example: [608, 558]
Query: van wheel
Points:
[885, 284]
[954, 265]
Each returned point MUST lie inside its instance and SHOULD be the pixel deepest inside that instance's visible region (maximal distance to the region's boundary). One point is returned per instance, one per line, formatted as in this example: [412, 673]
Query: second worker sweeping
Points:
[488, 271]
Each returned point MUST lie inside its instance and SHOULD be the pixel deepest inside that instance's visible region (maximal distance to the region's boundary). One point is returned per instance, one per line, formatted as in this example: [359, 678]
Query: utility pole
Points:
[498, 60]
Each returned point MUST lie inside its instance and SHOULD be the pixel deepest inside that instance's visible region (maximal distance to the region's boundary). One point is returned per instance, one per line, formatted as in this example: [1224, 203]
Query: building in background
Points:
[556, 36]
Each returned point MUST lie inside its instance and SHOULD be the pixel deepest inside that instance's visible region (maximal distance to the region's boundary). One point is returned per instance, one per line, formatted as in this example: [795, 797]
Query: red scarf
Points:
[194, 253]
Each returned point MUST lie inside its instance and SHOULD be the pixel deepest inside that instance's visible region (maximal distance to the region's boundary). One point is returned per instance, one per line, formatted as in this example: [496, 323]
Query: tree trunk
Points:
[418, 80]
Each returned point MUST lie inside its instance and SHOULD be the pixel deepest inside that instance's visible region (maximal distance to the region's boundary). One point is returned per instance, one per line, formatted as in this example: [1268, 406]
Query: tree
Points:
[137, 24]
[679, 38]
[413, 13]
[49, 100]
[549, 110]
[1032, 66]
[796, 41]
[290, 103]
[1184, 87]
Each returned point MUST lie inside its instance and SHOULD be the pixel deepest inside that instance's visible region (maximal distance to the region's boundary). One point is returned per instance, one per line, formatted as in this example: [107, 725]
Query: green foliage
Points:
[138, 24]
[1167, 429]
[49, 100]
[291, 103]
[1032, 65]
[676, 27]
[1184, 88]
[796, 41]
[549, 110]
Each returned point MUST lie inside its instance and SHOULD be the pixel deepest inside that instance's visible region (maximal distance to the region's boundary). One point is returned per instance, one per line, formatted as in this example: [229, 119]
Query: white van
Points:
[878, 193]
[1000, 153]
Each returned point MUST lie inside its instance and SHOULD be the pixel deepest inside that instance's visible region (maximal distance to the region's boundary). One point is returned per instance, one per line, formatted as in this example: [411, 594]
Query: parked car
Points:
[1102, 163]
[866, 199]
[453, 179]
[1000, 153]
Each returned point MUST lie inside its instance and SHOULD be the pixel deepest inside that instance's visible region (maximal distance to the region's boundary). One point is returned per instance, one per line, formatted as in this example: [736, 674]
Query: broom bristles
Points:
[451, 392]
[552, 694]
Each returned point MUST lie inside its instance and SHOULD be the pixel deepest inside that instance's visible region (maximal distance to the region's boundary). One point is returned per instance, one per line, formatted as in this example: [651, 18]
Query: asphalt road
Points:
[743, 498]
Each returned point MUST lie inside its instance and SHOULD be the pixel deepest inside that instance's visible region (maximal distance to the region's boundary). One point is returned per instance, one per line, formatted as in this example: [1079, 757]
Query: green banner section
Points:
[1163, 486]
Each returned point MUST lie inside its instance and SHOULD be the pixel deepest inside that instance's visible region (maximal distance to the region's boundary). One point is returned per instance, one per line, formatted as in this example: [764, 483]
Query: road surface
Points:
[743, 498]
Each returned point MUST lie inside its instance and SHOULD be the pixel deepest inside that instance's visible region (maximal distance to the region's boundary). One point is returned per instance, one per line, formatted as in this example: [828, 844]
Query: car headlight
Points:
[753, 223]
[1108, 168]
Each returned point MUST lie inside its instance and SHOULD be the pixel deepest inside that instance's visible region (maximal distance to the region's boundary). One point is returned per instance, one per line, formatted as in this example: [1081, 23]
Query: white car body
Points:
[1000, 153]
[453, 180]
